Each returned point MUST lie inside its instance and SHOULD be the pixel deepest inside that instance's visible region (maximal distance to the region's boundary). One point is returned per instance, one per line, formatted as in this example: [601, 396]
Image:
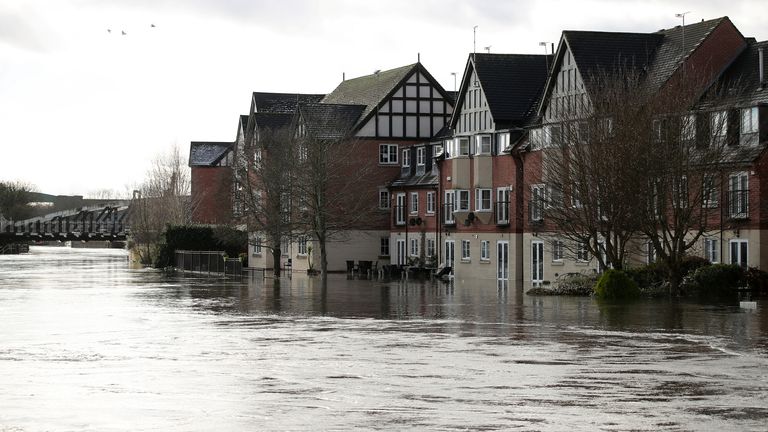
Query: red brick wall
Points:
[211, 195]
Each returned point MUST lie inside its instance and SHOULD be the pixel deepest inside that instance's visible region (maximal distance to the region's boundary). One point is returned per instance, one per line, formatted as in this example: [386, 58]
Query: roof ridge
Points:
[382, 72]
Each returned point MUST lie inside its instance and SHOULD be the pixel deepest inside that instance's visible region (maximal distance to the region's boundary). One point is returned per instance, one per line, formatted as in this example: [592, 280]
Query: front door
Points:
[537, 262]
[502, 263]
[400, 251]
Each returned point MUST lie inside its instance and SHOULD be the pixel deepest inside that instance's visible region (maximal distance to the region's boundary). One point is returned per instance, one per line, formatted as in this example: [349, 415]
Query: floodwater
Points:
[88, 344]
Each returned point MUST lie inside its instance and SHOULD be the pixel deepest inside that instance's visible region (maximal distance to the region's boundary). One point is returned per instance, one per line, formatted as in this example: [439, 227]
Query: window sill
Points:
[466, 260]
[582, 263]
[483, 211]
[558, 263]
[485, 261]
[301, 256]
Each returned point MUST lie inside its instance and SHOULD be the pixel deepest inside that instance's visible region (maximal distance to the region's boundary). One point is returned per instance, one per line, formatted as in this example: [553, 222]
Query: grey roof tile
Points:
[207, 153]
[329, 121]
[285, 103]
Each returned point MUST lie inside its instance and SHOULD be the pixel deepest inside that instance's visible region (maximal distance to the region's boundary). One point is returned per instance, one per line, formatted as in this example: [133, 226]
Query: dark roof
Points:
[368, 90]
[244, 121]
[329, 121]
[512, 84]
[206, 153]
[281, 102]
[272, 121]
[427, 179]
[742, 76]
[601, 52]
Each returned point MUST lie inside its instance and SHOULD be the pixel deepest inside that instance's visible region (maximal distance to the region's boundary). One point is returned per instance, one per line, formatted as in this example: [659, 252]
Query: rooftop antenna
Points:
[682, 15]
[343, 76]
[454, 80]
[546, 61]
[418, 57]
[474, 40]
[487, 49]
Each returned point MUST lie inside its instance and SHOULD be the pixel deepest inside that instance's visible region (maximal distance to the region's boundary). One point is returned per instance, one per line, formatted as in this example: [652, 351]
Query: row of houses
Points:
[458, 177]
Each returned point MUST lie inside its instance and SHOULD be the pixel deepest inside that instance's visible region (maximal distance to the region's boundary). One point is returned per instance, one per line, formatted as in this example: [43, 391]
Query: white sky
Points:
[82, 109]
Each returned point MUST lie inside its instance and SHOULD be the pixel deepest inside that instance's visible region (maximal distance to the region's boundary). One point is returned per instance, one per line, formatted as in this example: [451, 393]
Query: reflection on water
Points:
[89, 344]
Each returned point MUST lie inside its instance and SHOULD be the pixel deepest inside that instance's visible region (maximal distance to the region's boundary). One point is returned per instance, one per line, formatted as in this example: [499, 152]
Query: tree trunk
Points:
[276, 261]
[674, 279]
[323, 260]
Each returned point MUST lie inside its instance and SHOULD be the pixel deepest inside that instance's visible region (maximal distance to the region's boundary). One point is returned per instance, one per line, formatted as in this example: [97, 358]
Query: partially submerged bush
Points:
[569, 284]
[718, 279]
[616, 285]
[648, 277]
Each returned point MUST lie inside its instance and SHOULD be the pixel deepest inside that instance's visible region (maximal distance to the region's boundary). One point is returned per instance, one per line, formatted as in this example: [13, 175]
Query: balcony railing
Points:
[398, 213]
[738, 204]
[502, 212]
[448, 218]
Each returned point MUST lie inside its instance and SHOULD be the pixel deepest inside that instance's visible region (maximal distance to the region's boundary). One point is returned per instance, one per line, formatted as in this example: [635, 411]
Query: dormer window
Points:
[421, 156]
[502, 142]
[483, 144]
[437, 150]
[463, 146]
[407, 158]
[749, 126]
[535, 138]
[688, 128]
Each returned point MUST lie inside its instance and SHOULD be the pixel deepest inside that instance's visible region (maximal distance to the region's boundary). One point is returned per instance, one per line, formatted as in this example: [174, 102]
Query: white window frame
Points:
[712, 249]
[688, 128]
[483, 203]
[535, 138]
[384, 199]
[582, 252]
[718, 124]
[558, 251]
[538, 199]
[388, 154]
[749, 120]
[257, 246]
[421, 156]
[430, 203]
[737, 259]
[462, 200]
[502, 142]
[414, 247]
[650, 253]
[430, 252]
[502, 204]
[485, 250]
[414, 207]
[301, 246]
[462, 146]
[466, 250]
[483, 144]
[406, 158]
[449, 206]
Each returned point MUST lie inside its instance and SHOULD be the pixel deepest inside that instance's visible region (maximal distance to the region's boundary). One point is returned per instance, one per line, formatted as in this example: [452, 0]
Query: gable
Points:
[567, 94]
[473, 115]
[418, 107]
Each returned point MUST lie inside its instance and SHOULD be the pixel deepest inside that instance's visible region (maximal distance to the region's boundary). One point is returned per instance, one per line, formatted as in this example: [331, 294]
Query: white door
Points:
[502, 260]
[450, 247]
[739, 250]
[400, 251]
[537, 262]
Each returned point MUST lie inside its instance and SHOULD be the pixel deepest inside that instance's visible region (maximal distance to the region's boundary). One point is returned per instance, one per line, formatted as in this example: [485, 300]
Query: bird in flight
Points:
[124, 33]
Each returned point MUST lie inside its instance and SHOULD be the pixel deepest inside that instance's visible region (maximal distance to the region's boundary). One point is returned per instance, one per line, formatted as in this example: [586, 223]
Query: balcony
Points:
[398, 213]
[448, 217]
[738, 204]
[501, 213]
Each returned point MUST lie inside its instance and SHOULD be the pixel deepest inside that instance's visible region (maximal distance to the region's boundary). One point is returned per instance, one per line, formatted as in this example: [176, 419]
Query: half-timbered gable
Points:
[404, 103]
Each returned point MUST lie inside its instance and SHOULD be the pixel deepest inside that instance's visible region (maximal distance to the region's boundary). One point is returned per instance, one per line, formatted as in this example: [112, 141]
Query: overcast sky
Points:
[83, 109]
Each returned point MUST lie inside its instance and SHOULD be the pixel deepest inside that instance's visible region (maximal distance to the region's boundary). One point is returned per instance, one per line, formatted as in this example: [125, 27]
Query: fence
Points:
[208, 262]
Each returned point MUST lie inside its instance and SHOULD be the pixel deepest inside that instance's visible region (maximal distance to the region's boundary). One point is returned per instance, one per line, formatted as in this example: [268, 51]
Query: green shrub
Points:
[649, 276]
[615, 285]
[691, 263]
[757, 279]
[718, 279]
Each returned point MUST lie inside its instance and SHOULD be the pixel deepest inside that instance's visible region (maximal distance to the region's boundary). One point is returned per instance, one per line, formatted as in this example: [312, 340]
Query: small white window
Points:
[463, 204]
[421, 156]
[485, 250]
[537, 202]
[258, 241]
[406, 158]
[582, 253]
[302, 245]
[711, 250]
[465, 254]
[388, 154]
[557, 250]
[483, 144]
[483, 200]
[383, 198]
[718, 124]
[414, 247]
[430, 202]
[650, 253]
[535, 139]
[414, 202]
[749, 123]
[449, 207]
[502, 142]
[430, 252]
[463, 146]
[738, 195]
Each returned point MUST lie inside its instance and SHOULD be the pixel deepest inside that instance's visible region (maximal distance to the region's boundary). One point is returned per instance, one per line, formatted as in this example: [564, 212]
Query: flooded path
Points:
[88, 344]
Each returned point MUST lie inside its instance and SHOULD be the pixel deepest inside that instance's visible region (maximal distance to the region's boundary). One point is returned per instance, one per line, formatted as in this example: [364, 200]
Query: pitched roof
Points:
[272, 121]
[329, 121]
[742, 79]
[512, 84]
[281, 102]
[368, 90]
[243, 121]
[207, 153]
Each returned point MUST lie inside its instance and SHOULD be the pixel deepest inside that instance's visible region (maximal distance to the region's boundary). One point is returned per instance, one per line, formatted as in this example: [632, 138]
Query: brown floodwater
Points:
[89, 344]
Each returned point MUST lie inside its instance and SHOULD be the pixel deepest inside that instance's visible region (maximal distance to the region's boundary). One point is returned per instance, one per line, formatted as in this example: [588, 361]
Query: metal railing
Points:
[738, 204]
[208, 262]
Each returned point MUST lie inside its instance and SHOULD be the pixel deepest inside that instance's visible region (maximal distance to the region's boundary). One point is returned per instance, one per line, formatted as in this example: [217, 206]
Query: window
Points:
[302, 245]
[718, 125]
[388, 154]
[431, 202]
[658, 127]
[430, 252]
[257, 245]
[257, 158]
[414, 202]
[502, 142]
[463, 146]
[711, 250]
[284, 245]
[535, 139]
[384, 246]
[438, 150]
[414, 247]
[502, 205]
[554, 197]
[557, 251]
[738, 195]
[709, 195]
[449, 206]
[482, 199]
[383, 198]
[575, 196]
[485, 250]
[463, 204]
[537, 202]
[749, 119]
[680, 192]
[483, 144]
[739, 252]
[406, 158]
[465, 255]
[582, 253]
[421, 156]
[688, 128]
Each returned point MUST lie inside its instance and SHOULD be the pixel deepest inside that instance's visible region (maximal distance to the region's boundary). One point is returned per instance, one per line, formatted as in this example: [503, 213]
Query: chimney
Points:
[343, 76]
[760, 67]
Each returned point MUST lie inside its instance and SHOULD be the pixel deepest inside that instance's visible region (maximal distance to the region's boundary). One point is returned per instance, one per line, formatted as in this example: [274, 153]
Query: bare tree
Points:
[161, 200]
[14, 199]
